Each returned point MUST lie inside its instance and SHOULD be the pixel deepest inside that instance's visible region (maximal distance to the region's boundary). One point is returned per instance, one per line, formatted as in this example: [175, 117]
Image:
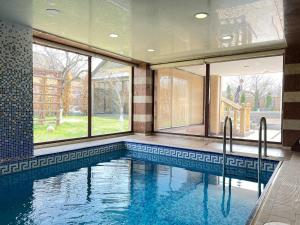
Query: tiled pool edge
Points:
[256, 210]
[178, 152]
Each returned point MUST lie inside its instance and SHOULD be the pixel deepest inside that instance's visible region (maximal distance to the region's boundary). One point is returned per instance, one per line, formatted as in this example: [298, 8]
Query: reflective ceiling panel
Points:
[166, 26]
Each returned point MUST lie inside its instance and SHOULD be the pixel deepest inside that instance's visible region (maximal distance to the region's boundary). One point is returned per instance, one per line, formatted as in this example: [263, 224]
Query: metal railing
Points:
[226, 209]
[224, 140]
[263, 123]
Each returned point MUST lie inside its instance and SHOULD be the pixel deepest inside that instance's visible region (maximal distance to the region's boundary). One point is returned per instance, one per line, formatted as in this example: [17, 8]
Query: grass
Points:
[76, 127]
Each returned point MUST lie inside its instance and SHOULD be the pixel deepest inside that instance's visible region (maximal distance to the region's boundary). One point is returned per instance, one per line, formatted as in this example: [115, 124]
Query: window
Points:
[61, 95]
[247, 90]
[179, 100]
[60, 82]
[111, 97]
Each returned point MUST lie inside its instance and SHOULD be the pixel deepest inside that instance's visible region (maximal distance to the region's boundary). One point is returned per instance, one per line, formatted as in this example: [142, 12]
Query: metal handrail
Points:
[224, 138]
[224, 141]
[263, 123]
[226, 210]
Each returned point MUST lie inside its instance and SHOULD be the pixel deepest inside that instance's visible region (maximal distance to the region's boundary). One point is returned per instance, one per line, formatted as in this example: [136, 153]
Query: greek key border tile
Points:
[56, 158]
[179, 153]
[202, 156]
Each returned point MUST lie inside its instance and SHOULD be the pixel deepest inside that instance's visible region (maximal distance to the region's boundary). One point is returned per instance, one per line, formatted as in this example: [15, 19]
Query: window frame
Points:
[207, 134]
[90, 55]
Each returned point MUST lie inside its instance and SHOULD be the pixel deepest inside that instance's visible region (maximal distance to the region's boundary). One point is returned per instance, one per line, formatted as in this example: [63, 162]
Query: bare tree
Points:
[68, 65]
[258, 86]
[115, 82]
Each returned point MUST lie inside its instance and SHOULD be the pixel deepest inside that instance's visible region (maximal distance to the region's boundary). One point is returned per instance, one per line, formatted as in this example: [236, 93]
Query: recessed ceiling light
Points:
[201, 15]
[150, 50]
[227, 37]
[112, 35]
[53, 11]
[51, 2]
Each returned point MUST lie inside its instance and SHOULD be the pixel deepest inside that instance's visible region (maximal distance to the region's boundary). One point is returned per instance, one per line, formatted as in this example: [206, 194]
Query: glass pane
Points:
[247, 90]
[60, 92]
[111, 97]
[179, 100]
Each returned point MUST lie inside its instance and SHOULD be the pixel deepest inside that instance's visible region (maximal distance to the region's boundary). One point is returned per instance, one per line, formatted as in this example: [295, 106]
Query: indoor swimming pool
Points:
[136, 184]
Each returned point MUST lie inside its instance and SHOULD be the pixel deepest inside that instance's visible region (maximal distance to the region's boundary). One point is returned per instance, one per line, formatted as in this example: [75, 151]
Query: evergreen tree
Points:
[243, 98]
[228, 93]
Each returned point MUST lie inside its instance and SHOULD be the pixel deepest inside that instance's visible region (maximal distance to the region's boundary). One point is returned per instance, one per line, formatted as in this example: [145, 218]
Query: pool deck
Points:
[282, 200]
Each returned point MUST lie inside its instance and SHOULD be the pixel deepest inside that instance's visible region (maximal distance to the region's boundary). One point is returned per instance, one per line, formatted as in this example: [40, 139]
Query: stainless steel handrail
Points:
[224, 140]
[226, 210]
[263, 123]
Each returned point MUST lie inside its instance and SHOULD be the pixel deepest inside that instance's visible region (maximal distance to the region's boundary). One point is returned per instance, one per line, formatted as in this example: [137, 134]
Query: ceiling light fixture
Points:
[201, 15]
[53, 11]
[227, 37]
[51, 2]
[112, 35]
[150, 50]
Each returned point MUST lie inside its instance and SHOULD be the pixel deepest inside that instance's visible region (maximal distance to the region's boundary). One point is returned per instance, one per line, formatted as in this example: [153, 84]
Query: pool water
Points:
[126, 188]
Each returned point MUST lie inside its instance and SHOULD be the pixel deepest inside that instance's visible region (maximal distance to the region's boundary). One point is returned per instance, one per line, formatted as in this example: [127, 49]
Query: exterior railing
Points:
[241, 114]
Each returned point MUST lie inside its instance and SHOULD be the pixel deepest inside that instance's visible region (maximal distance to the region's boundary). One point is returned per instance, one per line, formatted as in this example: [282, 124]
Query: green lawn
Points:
[76, 126]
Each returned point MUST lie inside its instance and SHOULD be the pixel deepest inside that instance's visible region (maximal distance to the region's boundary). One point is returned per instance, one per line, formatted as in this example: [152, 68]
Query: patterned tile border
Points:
[52, 159]
[178, 153]
[203, 167]
[202, 156]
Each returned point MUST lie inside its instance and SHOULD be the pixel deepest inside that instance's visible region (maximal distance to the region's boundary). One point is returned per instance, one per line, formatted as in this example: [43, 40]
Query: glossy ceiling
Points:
[168, 26]
[258, 66]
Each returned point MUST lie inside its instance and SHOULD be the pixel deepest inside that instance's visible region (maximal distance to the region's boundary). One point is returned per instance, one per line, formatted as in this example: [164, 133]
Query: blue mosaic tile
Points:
[16, 110]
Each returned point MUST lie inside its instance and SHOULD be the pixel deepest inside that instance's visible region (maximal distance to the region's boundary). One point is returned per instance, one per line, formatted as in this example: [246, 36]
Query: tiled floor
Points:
[281, 202]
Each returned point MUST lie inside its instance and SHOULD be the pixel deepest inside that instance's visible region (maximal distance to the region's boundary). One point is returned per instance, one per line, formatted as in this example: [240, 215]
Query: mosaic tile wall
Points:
[16, 126]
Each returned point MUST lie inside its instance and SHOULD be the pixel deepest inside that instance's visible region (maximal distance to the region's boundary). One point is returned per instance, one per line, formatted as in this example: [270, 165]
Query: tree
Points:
[269, 102]
[257, 86]
[70, 67]
[66, 98]
[243, 98]
[229, 92]
[116, 85]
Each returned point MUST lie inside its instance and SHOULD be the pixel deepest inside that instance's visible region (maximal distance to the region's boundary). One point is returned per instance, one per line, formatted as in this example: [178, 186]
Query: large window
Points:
[179, 105]
[111, 97]
[61, 95]
[247, 90]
